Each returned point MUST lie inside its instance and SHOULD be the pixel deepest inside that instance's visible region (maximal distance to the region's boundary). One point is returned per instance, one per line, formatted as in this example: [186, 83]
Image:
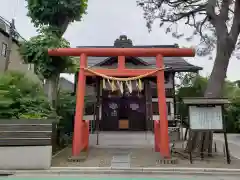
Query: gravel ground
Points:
[145, 157]
[139, 148]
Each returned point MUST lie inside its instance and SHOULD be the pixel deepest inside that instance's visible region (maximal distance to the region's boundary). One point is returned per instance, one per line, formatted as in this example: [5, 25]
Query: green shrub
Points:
[20, 97]
[66, 108]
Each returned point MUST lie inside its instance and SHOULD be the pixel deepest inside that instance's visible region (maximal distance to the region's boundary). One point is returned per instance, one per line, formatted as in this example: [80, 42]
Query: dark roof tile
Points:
[175, 63]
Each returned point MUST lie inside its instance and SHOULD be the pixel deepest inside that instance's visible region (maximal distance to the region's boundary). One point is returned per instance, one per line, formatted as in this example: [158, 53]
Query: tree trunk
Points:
[202, 141]
[51, 89]
[218, 75]
[215, 85]
[226, 41]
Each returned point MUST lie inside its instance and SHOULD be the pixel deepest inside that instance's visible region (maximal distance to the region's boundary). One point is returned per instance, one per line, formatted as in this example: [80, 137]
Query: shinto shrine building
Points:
[125, 111]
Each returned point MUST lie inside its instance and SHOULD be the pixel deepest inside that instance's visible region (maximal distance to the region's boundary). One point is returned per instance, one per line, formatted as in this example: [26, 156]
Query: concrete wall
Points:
[25, 144]
[25, 157]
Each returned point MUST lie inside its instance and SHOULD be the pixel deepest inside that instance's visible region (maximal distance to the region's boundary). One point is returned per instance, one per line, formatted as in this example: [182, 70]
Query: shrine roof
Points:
[177, 64]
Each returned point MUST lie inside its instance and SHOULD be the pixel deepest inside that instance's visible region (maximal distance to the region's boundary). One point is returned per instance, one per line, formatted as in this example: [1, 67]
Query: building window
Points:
[4, 49]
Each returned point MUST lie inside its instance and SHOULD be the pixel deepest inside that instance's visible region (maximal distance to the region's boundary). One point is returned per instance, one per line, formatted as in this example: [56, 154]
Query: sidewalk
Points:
[141, 163]
[138, 153]
[109, 170]
[233, 144]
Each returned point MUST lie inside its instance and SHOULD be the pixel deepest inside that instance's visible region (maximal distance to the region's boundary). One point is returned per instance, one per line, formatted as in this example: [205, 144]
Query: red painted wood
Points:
[78, 121]
[136, 52]
[164, 143]
[85, 135]
[121, 62]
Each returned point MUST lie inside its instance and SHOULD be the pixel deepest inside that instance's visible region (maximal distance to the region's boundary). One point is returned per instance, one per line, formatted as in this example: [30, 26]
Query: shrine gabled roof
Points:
[177, 64]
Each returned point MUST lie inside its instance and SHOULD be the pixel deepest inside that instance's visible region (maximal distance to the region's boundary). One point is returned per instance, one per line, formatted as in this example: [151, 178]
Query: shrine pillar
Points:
[162, 108]
[78, 133]
[121, 62]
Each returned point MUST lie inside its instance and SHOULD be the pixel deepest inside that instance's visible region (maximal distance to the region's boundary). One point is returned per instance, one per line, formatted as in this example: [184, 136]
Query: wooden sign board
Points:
[206, 118]
[123, 124]
[205, 114]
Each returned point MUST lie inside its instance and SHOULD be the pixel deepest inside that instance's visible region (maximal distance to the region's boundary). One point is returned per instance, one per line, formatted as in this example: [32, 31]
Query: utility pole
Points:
[9, 44]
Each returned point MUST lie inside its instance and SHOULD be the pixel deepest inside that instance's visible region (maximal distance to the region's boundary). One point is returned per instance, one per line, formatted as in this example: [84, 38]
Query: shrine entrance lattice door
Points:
[110, 114]
[121, 113]
[137, 113]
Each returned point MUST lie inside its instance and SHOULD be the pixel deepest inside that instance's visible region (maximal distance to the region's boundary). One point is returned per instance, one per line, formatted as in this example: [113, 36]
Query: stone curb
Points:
[109, 170]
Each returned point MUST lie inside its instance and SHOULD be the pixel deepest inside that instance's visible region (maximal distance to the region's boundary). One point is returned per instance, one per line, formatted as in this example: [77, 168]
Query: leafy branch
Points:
[36, 51]
[51, 18]
[22, 98]
[202, 16]
[57, 14]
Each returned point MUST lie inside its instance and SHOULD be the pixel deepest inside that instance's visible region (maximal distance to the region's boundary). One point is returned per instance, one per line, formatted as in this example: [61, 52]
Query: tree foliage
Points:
[215, 22]
[36, 51]
[233, 115]
[22, 98]
[194, 86]
[56, 13]
[51, 19]
[191, 85]
[208, 19]
[66, 108]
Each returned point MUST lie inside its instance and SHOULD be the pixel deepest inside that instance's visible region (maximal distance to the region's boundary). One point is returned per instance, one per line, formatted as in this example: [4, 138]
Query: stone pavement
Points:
[124, 176]
[114, 148]
[233, 143]
[131, 150]
[122, 140]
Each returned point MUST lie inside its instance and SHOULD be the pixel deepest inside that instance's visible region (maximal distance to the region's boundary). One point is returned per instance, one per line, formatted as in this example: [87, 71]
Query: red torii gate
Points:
[80, 136]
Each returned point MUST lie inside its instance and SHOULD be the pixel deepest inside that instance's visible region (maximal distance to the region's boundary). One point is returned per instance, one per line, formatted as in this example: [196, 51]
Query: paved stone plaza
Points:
[134, 149]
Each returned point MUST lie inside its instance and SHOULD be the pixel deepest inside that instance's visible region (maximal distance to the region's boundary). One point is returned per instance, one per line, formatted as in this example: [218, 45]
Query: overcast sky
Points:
[105, 21]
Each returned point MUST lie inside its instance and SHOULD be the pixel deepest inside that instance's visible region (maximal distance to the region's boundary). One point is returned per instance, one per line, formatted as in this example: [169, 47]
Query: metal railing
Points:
[15, 35]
